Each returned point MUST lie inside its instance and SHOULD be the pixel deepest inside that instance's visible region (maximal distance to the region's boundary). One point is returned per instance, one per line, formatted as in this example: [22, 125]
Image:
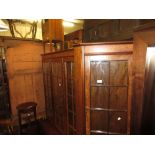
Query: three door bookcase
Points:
[88, 88]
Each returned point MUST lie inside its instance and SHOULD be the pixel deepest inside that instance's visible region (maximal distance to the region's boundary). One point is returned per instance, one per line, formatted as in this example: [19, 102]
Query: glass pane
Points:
[70, 97]
[70, 105]
[118, 72]
[70, 118]
[99, 97]
[56, 69]
[71, 131]
[118, 122]
[70, 87]
[74, 121]
[99, 120]
[72, 70]
[118, 98]
[69, 70]
[99, 72]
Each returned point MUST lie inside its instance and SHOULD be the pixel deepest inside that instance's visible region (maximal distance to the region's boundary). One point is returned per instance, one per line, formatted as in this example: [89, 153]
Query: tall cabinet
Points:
[59, 82]
[90, 88]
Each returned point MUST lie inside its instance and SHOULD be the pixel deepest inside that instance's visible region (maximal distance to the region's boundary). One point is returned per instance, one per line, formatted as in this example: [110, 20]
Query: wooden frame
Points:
[142, 39]
[87, 85]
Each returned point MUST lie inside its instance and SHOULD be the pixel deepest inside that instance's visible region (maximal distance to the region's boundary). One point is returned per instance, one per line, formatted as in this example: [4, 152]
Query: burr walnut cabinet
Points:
[88, 88]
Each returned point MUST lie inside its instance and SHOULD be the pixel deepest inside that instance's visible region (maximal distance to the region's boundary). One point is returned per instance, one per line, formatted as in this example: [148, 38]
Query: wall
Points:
[25, 75]
[99, 30]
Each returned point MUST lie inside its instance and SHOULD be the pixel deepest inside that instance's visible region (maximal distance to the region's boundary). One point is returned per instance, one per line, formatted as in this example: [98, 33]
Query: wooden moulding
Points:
[79, 89]
[142, 39]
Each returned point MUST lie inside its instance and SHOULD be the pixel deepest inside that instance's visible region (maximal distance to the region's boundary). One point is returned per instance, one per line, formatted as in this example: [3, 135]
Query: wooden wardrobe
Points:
[88, 88]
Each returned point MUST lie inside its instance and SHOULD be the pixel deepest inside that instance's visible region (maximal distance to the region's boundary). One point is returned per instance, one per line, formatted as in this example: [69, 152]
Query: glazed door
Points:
[107, 94]
[58, 91]
[48, 90]
[70, 95]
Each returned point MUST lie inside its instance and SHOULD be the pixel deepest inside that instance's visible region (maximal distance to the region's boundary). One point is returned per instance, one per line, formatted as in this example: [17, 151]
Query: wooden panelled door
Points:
[58, 90]
[107, 91]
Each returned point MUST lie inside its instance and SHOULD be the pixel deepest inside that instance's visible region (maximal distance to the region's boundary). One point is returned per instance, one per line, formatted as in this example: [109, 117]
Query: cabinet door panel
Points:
[99, 71]
[118, 98]
[48, 90]
[58, 95]
[117, 122]
[56, 69]
[99, 120]
[99, 97]
[107, 89]
[118, 72]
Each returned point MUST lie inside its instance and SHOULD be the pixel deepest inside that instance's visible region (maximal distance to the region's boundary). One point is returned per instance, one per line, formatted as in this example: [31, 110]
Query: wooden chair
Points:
[28, 109]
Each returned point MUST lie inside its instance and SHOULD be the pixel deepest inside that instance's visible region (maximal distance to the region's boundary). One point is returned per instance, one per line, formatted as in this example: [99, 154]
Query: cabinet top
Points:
[104, 43]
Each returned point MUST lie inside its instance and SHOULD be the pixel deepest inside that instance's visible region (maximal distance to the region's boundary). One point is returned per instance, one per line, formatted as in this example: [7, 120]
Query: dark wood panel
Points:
[99, 97]
[118, 122]
[58, 96]
[99, 120]
[118, 72]
[56, 69]
[99, 71]
[118, 98]
[112, 29]
[127, 25]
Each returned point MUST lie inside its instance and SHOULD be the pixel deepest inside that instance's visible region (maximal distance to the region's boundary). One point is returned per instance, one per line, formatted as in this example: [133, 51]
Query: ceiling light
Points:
[68, 24]
[76, 21]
